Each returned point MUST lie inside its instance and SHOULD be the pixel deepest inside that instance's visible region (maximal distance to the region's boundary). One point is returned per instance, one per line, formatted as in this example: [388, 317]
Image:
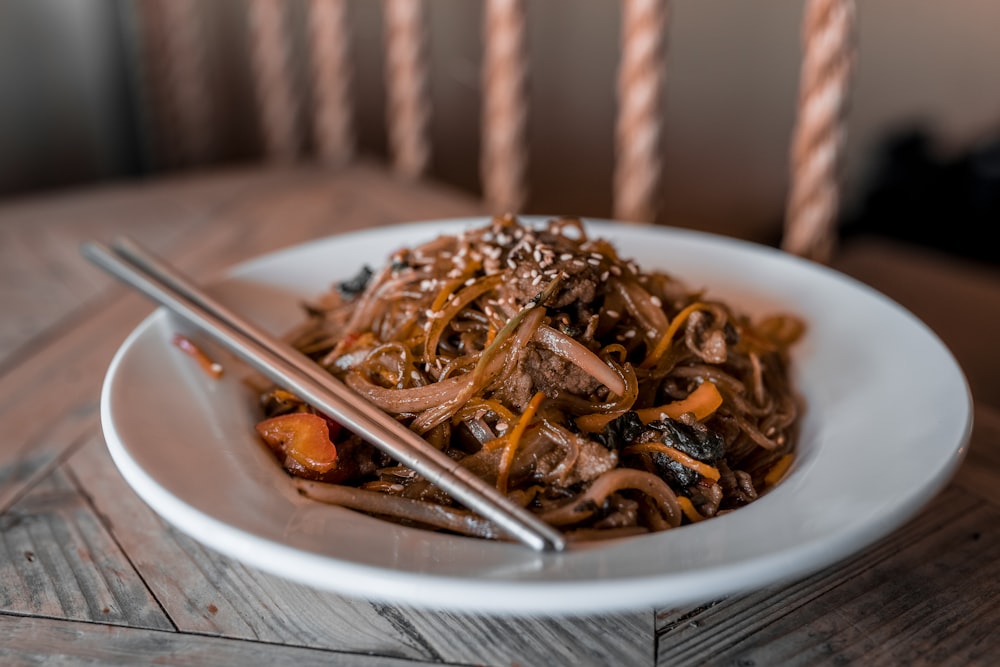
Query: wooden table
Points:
[90, 575]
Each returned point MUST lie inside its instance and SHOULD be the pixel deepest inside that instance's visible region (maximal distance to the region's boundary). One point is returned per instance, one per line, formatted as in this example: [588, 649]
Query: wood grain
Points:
[207, 593]
[907, 600]
[70, 346]
[36, 641]
[44, 279]
[60, 562]
[90, 575]
[981, 472]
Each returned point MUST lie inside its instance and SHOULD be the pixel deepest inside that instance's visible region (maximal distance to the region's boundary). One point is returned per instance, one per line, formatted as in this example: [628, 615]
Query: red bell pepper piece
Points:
[303, 436]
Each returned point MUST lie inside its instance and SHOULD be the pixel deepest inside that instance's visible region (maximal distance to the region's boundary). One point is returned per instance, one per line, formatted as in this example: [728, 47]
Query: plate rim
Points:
[546, 596]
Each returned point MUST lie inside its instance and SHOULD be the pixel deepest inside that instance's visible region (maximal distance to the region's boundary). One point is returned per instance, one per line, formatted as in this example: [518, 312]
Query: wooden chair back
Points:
[173, 52]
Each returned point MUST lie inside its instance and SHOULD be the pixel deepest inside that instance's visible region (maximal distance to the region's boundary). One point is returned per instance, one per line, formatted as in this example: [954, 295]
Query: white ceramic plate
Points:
[888, 421]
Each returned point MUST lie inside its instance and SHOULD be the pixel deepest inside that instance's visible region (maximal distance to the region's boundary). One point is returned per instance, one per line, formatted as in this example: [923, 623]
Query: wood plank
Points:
[37, 641]
[613, 639]
[314, 205]
[63, 373]
[62, 368]
[57, 560]
[49, 401]
[207, 593]
[928, 594]
[43, 278]
[980, 473]
[77, 543]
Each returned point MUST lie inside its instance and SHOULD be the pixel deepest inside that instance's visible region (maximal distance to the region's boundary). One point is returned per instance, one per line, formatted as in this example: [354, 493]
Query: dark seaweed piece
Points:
[698, 443]
[731, 333]
[356, 285]
[673, 473]
[621, 431]
[695, 441]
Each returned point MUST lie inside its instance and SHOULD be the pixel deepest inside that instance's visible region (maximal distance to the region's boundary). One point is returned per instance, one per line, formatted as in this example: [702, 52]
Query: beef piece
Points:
[554, 375]
[579, 284]
[540, 370]
[516, 390]
[556, 465]
[541, 256]
[737, 486]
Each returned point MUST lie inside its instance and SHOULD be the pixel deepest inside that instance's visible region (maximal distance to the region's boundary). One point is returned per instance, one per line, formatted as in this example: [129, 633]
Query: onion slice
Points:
[381, 504]
[410, 399]
[577, 353]
[582, 507]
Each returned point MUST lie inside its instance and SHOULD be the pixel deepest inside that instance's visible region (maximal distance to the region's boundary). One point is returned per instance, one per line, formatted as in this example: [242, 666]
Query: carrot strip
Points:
[450, 305]
[449, 288]
[442, 297]
[688, 508]
[497, 442]
[664, 343]
[703, 469]
[515, 438]
[702, 403]
[778, 470]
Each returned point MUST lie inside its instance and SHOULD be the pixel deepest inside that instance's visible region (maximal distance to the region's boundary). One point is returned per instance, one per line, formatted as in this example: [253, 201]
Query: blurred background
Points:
[77, 108]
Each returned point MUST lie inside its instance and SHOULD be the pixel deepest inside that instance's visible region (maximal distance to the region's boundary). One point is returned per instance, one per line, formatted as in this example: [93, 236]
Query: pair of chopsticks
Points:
[286, 366]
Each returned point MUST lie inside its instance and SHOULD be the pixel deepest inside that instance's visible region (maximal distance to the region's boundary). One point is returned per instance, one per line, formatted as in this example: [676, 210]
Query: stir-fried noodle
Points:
[607, 399]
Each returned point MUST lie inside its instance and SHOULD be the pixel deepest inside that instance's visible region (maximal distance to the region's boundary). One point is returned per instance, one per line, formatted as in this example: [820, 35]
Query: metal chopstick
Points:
[281, 363]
